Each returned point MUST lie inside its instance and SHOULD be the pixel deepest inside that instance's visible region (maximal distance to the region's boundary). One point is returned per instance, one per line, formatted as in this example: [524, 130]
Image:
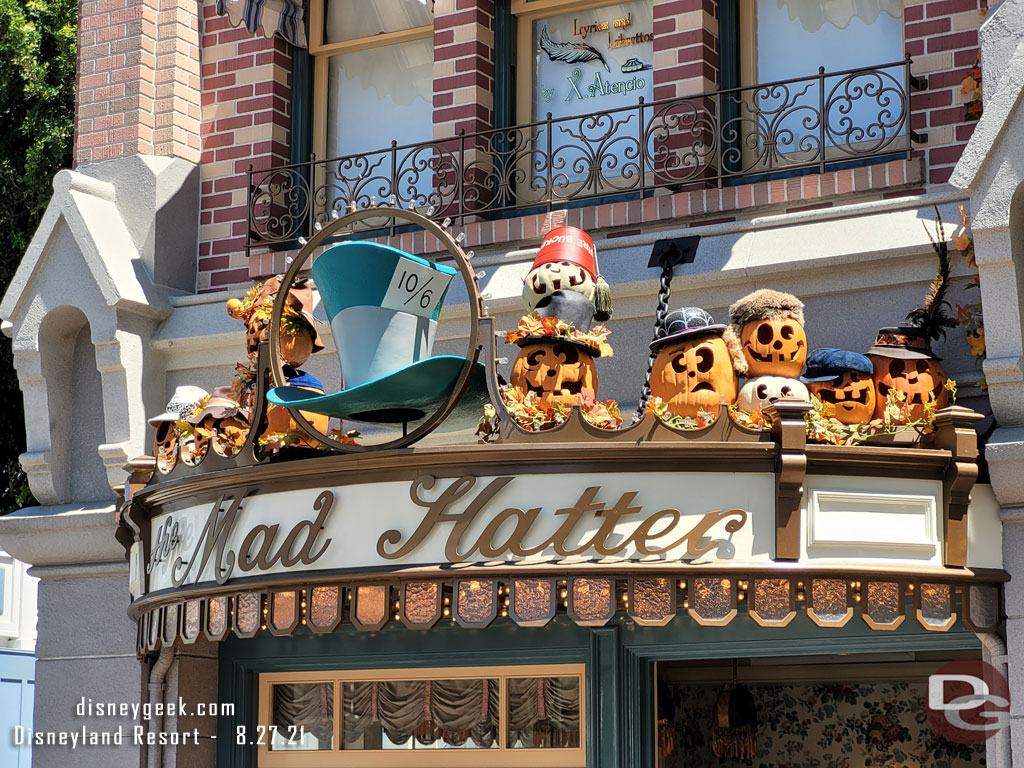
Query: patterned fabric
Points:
[822, 726]
[268, 17]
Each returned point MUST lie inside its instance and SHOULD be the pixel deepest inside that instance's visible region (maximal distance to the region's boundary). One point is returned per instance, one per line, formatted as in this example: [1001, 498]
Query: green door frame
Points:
[619, 660]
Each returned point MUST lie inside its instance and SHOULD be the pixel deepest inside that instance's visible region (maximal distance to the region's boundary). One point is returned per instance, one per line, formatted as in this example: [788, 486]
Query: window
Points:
[576, 59]
[373, 76]
[493, 716]
[811, 120]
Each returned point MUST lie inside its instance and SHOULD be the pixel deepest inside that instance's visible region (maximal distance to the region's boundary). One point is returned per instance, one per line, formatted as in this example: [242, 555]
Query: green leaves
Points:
[37, 87]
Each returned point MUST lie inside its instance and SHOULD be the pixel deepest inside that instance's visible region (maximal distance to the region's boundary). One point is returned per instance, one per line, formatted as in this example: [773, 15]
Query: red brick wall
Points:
[463, 66]
[685, 48]
[138, 80]
[246, 105]
[942, 38]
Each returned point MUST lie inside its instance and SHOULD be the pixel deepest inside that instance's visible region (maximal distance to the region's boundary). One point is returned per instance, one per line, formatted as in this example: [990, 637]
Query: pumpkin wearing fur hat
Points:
[767, 335]
[902, 356]
[693, 370]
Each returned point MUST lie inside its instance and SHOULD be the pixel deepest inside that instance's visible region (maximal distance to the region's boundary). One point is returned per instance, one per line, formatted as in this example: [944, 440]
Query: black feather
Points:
[934, 317]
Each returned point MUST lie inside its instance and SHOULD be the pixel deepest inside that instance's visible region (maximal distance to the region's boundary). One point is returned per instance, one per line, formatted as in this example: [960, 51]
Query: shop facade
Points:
[511, 590]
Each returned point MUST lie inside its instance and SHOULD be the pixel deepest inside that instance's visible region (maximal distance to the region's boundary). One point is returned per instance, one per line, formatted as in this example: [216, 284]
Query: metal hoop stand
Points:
[475, 309]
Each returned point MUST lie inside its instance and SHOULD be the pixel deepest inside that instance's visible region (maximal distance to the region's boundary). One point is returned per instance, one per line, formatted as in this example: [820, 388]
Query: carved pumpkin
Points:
[759, 392]
[165, 446]
[775, 347]
[852, 394]
[556, 372]
[279, 420]
[921, 380]
[694, 375]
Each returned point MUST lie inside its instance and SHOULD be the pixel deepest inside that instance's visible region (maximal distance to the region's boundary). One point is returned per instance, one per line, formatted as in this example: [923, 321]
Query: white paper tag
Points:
[415, 288]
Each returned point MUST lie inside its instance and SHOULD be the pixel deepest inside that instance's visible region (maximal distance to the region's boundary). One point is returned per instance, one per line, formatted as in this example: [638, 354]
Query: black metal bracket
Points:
[918, 83]
[918, 138]
[672, 252]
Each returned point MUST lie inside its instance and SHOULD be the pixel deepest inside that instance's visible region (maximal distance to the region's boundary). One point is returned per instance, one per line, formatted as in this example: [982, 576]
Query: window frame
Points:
[502, 757]
[321, 51]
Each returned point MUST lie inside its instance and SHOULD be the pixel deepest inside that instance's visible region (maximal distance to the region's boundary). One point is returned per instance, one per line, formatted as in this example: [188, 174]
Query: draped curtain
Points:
[813, 13]
[308, 705]
[427, 710]
[542, 712]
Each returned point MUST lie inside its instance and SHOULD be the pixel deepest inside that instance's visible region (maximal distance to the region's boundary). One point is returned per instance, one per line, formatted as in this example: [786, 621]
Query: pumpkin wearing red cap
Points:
[567, 261]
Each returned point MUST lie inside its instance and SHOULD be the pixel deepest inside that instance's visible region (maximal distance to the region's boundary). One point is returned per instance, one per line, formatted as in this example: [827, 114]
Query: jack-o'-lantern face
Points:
[165, 446]
[229, 435]
[774, 347]
[555, 372]
[694, 375]
[852, 395]
[556, 276]
[922, 381]
[757, 393]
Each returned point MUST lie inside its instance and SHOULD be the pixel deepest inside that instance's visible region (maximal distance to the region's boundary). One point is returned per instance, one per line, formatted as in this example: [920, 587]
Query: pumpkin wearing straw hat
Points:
[556, 357]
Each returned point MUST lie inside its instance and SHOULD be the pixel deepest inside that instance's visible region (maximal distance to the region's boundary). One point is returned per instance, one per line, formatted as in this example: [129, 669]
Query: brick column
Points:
[942, 38]
[463, 66]
[137, 79]
[685, 48]
[246, 108]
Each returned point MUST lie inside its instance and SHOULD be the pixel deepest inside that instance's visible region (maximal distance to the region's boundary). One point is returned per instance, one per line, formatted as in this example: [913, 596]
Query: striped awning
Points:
[268, 17]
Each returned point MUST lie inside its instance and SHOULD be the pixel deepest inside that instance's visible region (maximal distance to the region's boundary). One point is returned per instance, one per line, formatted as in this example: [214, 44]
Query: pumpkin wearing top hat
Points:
[557, 350]
[767, 335]
[567, 261]
[693, 370]
[902, 355]
[845, 380]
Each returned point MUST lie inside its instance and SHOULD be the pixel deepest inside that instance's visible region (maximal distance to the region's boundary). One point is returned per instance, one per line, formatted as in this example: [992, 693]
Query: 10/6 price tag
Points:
[416, 288]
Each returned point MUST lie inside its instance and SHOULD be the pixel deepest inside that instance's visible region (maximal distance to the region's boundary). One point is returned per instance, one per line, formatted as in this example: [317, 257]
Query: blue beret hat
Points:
[826, 364]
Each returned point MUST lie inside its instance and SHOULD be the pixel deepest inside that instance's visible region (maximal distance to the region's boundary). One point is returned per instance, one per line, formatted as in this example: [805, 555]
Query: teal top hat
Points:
[383, 306]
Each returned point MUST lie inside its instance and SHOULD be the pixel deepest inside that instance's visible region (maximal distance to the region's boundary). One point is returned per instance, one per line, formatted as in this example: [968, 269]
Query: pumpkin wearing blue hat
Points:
[693, 370]
[383, 305]
[843, 379]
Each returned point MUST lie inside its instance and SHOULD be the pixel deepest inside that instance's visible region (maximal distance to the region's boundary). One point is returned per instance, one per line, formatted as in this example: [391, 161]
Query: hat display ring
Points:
[475, 308]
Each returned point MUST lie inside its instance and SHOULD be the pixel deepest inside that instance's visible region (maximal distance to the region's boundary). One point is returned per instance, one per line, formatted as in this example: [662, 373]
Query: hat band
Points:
[903, 340]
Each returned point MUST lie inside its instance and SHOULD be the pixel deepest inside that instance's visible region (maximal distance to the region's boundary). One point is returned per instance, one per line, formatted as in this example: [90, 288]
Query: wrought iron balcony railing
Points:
[811, 123]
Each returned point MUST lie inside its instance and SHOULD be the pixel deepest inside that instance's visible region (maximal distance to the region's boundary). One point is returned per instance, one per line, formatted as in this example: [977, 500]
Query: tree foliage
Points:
[37, 86]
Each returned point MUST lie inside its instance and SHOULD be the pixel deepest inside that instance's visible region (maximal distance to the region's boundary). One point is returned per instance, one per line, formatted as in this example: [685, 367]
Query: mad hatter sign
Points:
[454, 522]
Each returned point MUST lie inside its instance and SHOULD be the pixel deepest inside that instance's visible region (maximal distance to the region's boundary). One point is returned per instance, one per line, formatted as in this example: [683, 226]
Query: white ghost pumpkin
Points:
[759, 392]
[556, 276]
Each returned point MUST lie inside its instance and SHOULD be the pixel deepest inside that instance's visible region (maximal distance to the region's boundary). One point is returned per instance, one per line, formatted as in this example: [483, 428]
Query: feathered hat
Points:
[912, 338]
[764, 304]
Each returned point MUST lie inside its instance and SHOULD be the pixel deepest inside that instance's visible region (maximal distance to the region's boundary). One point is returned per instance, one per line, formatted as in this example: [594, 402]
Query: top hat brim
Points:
[703, 330]
[901, 353]
[408, 395]
[592, 351]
